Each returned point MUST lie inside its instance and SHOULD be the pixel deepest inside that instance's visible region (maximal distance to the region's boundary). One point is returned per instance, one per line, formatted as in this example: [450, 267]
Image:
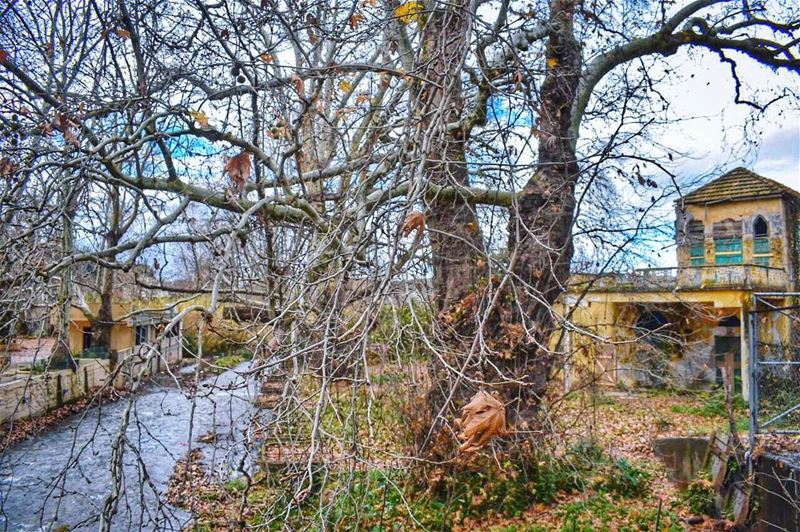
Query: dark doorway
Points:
[728, 356]
[87, 338]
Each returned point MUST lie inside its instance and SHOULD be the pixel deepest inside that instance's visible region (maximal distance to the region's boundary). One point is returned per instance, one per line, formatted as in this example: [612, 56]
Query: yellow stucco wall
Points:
[122, 334]
[601, 326]
[771, 209]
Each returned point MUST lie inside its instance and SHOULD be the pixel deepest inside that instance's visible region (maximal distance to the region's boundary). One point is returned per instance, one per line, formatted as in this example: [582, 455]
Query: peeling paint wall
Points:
[607, 314]
[773, 210]
[604, 348]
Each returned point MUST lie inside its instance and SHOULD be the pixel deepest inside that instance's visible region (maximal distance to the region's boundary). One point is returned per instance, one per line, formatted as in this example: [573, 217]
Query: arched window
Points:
[760, 227]
[761, 251]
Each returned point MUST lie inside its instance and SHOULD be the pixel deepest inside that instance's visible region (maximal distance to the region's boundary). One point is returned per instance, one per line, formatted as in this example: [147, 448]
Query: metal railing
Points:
[711, 276]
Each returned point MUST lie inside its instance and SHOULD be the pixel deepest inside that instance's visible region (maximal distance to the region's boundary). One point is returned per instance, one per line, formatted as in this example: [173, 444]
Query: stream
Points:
[62, 477]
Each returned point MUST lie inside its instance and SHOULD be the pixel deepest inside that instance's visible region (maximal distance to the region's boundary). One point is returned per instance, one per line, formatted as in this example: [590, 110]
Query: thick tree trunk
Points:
[454, 232]
[61, 351]
[103, 324]
[453, 226]
[541, 228]
[513, 358]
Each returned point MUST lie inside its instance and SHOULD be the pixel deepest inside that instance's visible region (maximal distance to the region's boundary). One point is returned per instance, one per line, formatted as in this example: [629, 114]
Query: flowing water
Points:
[62, 477]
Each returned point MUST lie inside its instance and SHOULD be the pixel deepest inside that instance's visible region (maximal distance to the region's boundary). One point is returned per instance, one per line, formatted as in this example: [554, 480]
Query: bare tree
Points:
[294, 148]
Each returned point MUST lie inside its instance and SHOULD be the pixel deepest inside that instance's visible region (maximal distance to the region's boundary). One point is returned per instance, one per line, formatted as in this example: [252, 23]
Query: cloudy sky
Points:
[715, 138]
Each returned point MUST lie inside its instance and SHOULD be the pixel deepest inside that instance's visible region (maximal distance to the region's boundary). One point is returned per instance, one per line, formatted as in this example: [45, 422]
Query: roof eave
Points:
[689, 201]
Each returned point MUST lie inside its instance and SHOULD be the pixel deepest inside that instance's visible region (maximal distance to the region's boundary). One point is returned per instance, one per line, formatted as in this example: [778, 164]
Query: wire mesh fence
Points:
[774, 339]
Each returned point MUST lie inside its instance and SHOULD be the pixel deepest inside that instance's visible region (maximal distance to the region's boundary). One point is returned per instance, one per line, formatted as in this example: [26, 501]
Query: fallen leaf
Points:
[409, 12]
[362, 98]
[414, 221]
[238, 169]
[345, 86]
[552, 62]
[266, 57]
[199, 117]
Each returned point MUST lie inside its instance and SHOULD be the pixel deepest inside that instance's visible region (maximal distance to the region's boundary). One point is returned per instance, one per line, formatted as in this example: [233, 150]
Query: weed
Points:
[229, 361]
[602, 512]
[699, 497]
[237, 484]
[625, 480]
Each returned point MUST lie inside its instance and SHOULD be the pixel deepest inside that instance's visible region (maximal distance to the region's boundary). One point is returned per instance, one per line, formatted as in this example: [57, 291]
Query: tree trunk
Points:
[453, 226]
[516, 335]
[103, 324]
[454, 231]
[61, 350]
[540, 230]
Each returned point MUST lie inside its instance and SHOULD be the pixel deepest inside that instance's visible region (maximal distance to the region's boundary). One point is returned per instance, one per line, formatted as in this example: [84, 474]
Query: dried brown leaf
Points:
[414, 221]
[481, 420]
[65, 125]
[298, 83]
[238, 169]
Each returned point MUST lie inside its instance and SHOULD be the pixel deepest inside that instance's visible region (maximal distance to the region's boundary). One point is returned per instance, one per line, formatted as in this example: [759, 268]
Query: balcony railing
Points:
[735, 276]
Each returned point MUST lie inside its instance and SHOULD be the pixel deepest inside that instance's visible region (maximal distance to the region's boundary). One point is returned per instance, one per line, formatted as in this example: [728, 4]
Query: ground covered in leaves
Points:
[597, 471]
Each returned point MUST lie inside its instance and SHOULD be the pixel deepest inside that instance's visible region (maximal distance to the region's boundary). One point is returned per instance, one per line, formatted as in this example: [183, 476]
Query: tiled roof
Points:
[739, 183]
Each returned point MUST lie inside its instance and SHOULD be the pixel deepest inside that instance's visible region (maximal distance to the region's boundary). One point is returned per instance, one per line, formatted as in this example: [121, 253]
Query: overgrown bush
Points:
[625, 480]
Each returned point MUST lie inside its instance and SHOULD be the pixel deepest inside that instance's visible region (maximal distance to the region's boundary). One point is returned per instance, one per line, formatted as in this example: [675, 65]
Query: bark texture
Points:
[510, 353]
[454, 232]
[103, 324]
[541, 228]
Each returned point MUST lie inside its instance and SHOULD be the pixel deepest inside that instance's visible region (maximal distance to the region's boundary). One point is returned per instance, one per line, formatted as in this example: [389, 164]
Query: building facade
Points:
[684, 326]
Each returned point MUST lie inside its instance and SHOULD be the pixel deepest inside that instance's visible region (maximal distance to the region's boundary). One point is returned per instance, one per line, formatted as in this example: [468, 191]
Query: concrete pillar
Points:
[745, 348]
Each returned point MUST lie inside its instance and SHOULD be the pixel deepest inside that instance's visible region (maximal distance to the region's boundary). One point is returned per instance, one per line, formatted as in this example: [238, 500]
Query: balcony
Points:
[708, 277]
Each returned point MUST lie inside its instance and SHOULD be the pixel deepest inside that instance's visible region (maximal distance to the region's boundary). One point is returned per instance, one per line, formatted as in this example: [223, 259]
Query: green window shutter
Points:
[761, 261]
[761, 246]
[728, 259]
[728, 245]
[697, 254]
[728, 251]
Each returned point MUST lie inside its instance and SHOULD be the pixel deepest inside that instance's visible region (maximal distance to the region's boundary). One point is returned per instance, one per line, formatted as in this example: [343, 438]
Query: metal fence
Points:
[774, 346]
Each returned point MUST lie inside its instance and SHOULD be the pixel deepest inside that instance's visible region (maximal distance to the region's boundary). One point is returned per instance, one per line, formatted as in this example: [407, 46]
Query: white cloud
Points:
[717, 133]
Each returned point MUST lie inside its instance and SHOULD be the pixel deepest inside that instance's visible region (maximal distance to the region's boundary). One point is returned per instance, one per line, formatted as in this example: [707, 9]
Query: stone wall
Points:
[33, 394]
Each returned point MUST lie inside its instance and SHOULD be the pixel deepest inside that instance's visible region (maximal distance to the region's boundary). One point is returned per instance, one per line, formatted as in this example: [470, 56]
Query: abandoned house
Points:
[683, 326]
[133, 331]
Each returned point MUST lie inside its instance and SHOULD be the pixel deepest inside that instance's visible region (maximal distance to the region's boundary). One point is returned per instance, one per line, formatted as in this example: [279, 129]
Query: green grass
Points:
[234, 359]
[712, 405]
[604, 513]
[386, 499]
